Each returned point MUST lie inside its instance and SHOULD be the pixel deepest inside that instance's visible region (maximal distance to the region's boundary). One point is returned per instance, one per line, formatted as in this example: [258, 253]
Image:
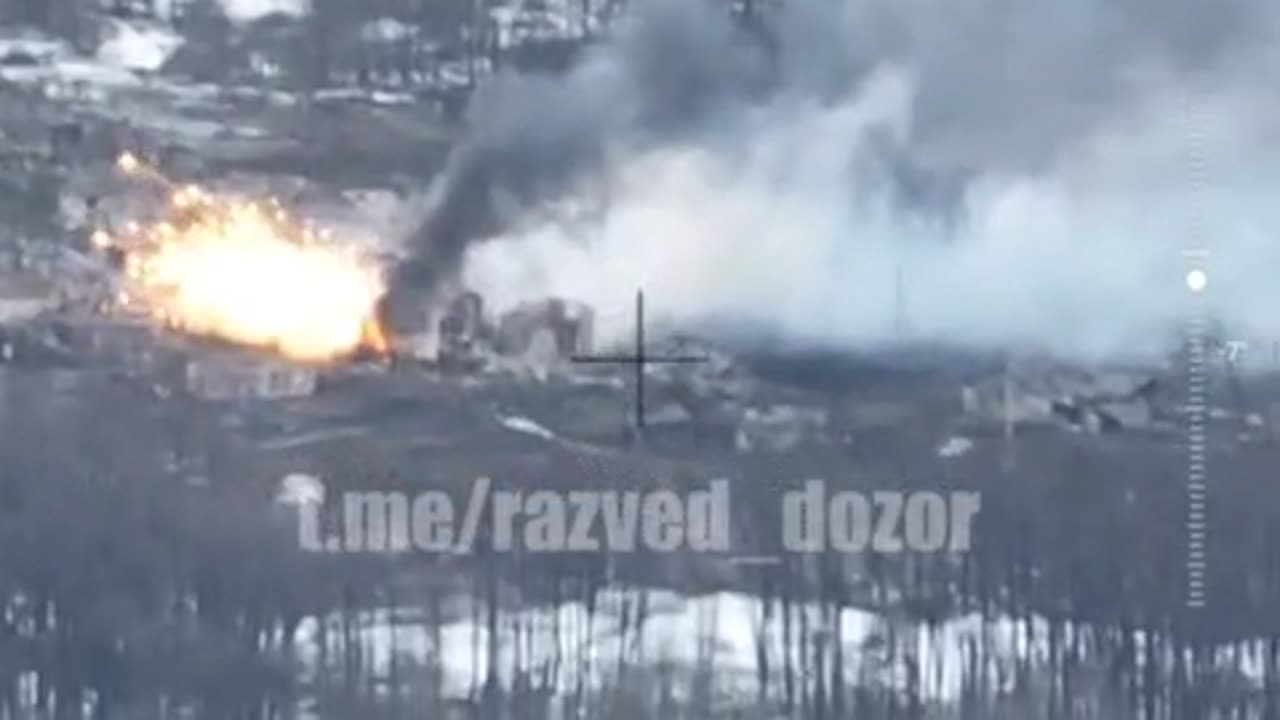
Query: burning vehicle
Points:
[246, 272]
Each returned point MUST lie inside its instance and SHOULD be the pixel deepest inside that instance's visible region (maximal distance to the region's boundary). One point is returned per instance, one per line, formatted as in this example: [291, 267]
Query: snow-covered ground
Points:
[243, 11]
[35, 60]
[29, 44]
[375, 97]
[718, 631]
[32, 59]
[137, 45]
[119, 81]
[131, 47]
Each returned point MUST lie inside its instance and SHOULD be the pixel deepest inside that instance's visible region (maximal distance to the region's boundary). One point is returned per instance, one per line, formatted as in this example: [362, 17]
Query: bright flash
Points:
[128, 163]
[245, 272]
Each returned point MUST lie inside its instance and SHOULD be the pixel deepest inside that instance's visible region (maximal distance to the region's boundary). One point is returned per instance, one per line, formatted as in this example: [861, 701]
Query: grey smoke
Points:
[531, 136]
[1023, 165]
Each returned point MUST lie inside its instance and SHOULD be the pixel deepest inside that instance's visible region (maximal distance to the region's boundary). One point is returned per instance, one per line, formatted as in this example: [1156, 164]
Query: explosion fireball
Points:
[246, 272]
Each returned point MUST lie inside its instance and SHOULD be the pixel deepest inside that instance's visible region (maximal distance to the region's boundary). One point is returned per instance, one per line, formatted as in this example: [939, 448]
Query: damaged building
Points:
[464, 334]
[457, 333]
[547, 330]
[453, 332]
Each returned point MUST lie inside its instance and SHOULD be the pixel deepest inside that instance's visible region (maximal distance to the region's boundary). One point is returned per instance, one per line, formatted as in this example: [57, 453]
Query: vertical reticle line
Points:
[1197, 415]
[1197, 410]
[639, 359]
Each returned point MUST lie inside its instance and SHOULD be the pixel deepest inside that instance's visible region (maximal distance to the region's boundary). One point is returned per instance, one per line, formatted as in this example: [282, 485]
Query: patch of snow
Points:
[384, 97]
[527, 426]
[955, 447]
[82, 72]
[338, 94]
[548, 19]
[33, 59]
[163, 8]
[31, 44]
[386, 30]
[376, 97]
[457, 74]
[247, 11]
[616, 383]
[138, 46]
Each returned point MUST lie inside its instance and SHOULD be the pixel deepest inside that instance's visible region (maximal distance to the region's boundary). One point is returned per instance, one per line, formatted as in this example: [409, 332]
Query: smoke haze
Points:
[987, 173]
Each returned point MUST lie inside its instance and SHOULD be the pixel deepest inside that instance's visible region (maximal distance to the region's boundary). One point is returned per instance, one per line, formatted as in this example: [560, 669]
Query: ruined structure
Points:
[551, 329]
[464, 334]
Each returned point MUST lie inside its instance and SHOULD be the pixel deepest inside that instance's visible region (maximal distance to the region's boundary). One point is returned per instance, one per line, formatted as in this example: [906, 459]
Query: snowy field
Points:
[719, 632]
[121, 82]
[132, 54]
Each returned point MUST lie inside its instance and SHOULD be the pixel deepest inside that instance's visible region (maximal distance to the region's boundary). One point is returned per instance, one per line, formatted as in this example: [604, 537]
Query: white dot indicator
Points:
[1197, 280]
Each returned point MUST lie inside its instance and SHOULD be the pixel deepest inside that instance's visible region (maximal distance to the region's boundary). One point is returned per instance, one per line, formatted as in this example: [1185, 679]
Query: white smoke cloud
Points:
[790, 228]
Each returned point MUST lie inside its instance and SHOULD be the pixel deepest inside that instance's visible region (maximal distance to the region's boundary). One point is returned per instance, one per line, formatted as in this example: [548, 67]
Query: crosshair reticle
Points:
[639, 359]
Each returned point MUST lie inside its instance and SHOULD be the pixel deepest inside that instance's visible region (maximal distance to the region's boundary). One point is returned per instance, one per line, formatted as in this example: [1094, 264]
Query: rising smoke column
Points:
[1021, 165]
[531, 138]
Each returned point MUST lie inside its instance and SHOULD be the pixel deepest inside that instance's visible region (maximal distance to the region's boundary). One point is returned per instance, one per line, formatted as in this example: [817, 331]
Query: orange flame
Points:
[248, 273]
